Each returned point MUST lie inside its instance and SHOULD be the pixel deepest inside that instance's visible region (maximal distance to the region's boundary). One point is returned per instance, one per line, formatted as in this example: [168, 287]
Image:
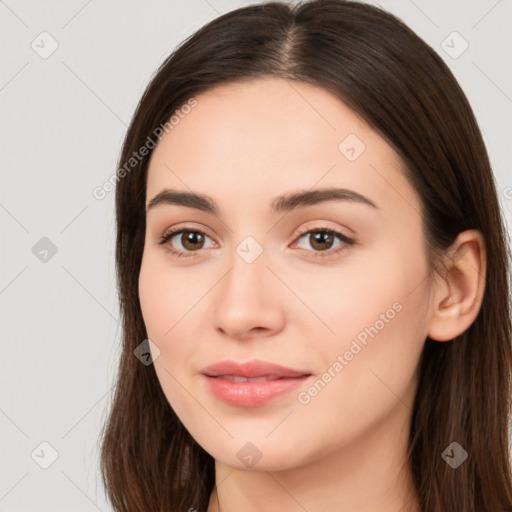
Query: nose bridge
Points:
[247, 278]
[247, 298]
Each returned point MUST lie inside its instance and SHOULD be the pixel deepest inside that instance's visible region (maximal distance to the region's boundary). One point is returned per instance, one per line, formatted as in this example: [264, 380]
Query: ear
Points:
[459, 291]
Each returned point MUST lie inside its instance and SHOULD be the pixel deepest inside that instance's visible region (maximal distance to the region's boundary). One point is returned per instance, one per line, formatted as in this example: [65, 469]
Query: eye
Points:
[322, 240]
[190, 240]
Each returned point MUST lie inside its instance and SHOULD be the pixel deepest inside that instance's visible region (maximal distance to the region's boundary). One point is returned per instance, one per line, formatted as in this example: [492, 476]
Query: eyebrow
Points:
[284, 203]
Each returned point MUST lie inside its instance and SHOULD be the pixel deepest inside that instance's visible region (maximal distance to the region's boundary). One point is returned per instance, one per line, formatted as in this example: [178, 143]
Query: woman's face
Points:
[261, 279]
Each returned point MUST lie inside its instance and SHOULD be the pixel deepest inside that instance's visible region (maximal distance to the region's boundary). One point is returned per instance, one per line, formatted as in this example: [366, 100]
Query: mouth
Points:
[251, 384]
[240, 378]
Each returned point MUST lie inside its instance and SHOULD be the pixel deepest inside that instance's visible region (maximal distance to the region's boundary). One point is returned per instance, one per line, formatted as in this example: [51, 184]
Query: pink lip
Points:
[251, 394]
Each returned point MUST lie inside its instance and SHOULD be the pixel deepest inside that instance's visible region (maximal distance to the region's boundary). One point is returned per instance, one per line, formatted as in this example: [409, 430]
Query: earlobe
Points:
[459, 292]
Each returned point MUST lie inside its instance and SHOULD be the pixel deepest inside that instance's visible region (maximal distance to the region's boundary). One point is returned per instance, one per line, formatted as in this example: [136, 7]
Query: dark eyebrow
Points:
[300, 199]
[284, 203]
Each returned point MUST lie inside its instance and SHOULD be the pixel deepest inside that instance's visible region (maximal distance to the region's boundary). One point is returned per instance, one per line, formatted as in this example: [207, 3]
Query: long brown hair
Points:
[402, 88]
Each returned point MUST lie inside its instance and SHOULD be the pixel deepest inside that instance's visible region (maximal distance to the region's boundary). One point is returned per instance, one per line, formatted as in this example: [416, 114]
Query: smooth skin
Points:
[242, 146]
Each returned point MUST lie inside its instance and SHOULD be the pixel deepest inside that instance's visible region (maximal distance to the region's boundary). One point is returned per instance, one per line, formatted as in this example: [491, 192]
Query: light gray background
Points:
[63, 119]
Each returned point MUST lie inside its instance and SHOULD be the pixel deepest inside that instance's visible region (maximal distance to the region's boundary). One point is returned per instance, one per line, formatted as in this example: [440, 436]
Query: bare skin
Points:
[341, 448]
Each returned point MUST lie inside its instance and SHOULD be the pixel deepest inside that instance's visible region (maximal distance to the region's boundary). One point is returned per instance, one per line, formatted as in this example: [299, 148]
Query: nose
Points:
[249, 300]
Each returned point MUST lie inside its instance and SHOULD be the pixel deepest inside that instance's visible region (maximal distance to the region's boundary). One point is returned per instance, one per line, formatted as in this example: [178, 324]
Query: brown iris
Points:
[193, 238]
[321, 240]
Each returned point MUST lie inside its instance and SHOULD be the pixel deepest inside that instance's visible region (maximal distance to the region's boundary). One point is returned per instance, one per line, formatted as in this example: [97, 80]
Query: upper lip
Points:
[250, 369]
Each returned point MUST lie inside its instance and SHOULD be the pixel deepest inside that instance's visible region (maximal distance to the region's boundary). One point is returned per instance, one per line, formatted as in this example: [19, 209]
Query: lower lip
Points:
[252, 394]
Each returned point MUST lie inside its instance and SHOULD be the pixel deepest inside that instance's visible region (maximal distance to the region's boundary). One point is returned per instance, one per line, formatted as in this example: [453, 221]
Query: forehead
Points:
[262, 137]
[280, 113]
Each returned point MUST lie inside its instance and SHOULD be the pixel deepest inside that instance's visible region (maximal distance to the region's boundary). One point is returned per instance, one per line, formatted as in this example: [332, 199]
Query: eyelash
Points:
[169, 234]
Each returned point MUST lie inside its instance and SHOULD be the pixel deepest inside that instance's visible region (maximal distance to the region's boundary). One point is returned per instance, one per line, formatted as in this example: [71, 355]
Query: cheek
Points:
[169, 304]
[165, 297]
[377, 315]
[370, 380]
[161, 310]
[152, 299]
[169, 292]
[364, 293]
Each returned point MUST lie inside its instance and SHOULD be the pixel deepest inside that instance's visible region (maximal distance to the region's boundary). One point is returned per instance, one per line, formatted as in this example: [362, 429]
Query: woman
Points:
[313, 276]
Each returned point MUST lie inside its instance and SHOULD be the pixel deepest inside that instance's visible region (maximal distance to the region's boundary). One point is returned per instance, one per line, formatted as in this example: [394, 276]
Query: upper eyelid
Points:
[172, 231]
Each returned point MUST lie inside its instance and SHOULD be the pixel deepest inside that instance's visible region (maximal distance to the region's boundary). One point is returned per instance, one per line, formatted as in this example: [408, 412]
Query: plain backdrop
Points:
[63, 118]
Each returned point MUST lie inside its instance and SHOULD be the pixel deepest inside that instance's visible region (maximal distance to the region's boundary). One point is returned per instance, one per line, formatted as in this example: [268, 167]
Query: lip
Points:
[219, 378]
